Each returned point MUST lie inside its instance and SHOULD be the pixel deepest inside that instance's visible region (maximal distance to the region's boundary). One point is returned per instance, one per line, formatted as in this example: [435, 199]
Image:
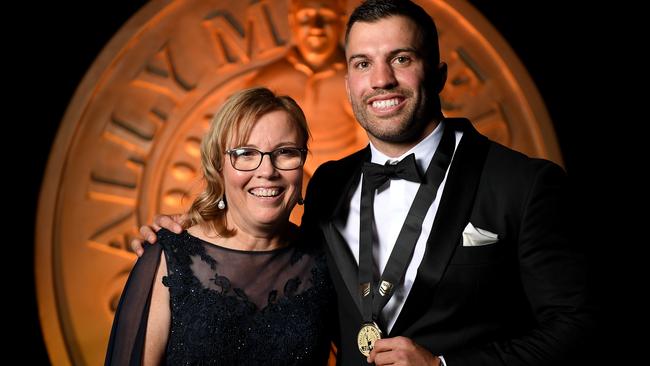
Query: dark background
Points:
[566, 51]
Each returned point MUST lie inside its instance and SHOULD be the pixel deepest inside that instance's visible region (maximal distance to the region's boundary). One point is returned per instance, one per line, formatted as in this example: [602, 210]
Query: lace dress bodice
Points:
[232, 307]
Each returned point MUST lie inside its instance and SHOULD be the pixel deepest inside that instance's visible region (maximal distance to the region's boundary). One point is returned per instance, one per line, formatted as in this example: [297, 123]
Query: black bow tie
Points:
[376, 175]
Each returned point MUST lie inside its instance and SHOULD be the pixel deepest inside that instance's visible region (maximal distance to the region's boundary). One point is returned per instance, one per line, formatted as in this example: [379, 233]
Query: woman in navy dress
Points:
[238, 286]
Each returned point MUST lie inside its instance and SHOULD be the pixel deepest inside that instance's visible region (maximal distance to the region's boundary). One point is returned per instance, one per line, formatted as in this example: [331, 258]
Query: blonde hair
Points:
[234, 120]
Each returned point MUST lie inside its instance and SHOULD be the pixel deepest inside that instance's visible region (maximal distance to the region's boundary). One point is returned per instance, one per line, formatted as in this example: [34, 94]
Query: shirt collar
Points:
[423, 151]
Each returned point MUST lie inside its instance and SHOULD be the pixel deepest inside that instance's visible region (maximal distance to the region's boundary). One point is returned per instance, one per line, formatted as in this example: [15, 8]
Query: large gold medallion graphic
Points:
[128, 146]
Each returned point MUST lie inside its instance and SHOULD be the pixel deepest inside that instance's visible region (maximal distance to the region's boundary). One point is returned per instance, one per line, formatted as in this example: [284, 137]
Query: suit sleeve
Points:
[311, 233]
[313, 209]
[126, 343]
[553, 275]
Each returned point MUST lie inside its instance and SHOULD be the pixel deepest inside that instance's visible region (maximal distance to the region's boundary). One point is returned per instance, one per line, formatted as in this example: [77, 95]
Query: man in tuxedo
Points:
[452, 247]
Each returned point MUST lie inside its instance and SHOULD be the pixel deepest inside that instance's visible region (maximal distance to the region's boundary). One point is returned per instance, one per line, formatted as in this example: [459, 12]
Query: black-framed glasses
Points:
[282, 158]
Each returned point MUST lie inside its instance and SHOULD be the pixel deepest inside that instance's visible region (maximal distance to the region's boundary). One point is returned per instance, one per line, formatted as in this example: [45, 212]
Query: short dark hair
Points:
[371, 11]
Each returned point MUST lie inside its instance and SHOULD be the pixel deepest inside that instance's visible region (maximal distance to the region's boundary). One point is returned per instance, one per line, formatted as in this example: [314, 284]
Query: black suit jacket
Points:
[520, 301]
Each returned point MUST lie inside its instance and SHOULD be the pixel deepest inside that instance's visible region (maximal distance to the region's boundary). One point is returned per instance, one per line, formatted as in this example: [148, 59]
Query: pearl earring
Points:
[221, 204]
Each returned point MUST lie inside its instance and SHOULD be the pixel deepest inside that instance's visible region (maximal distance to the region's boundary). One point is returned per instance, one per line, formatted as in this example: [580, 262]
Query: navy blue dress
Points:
[230, 307]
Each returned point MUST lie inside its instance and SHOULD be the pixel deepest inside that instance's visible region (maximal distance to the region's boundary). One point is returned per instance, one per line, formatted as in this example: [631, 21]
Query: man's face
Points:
[387, 81]
[317, 27]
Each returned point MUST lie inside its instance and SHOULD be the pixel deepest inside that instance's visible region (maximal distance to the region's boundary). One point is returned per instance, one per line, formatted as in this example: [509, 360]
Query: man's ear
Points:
[440, 77]
[347, 89]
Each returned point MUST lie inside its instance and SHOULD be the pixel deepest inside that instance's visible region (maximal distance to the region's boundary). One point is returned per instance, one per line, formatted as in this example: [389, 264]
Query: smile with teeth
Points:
[265, 192]
[385, 104]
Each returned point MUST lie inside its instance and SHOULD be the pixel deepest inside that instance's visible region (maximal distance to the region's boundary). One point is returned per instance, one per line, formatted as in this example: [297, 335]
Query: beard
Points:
[404, 125]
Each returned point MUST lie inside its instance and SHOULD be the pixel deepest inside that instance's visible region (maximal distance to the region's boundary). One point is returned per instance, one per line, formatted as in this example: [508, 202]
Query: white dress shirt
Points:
[392, 203]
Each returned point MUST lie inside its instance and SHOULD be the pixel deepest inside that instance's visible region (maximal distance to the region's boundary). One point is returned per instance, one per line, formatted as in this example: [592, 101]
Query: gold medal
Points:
[367, 336]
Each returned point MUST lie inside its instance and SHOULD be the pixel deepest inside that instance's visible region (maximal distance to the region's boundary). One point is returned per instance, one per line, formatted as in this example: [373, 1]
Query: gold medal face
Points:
[368, 334]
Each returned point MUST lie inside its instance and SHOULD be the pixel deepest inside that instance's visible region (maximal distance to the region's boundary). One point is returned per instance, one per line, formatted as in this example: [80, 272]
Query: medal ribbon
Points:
[374, 296]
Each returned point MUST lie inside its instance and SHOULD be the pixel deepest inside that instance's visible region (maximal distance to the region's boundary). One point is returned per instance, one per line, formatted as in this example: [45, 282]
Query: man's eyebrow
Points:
[405, 49]
[359, 55]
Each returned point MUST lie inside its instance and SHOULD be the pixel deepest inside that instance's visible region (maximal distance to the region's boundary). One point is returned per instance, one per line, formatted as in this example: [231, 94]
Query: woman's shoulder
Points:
[312, 251]
[177, 244]
[313, 263]
[168, 239]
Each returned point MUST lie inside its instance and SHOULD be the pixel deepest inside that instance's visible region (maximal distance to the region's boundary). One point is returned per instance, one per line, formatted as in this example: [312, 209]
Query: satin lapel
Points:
[452, 216]
[344, 260]
[348, 174]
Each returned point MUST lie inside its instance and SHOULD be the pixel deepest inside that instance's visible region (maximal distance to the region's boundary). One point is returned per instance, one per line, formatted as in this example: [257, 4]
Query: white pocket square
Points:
[475, 237]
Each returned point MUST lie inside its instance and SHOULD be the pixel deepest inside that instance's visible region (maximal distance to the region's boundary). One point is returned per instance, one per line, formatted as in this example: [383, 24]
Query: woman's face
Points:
[262, 199]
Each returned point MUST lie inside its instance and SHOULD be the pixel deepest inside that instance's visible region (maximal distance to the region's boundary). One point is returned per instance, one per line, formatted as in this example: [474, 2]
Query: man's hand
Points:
[148, 233]
[401, 351]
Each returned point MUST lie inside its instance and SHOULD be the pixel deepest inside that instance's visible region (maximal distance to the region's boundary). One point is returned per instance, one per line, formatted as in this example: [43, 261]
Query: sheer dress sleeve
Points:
[126, 344]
